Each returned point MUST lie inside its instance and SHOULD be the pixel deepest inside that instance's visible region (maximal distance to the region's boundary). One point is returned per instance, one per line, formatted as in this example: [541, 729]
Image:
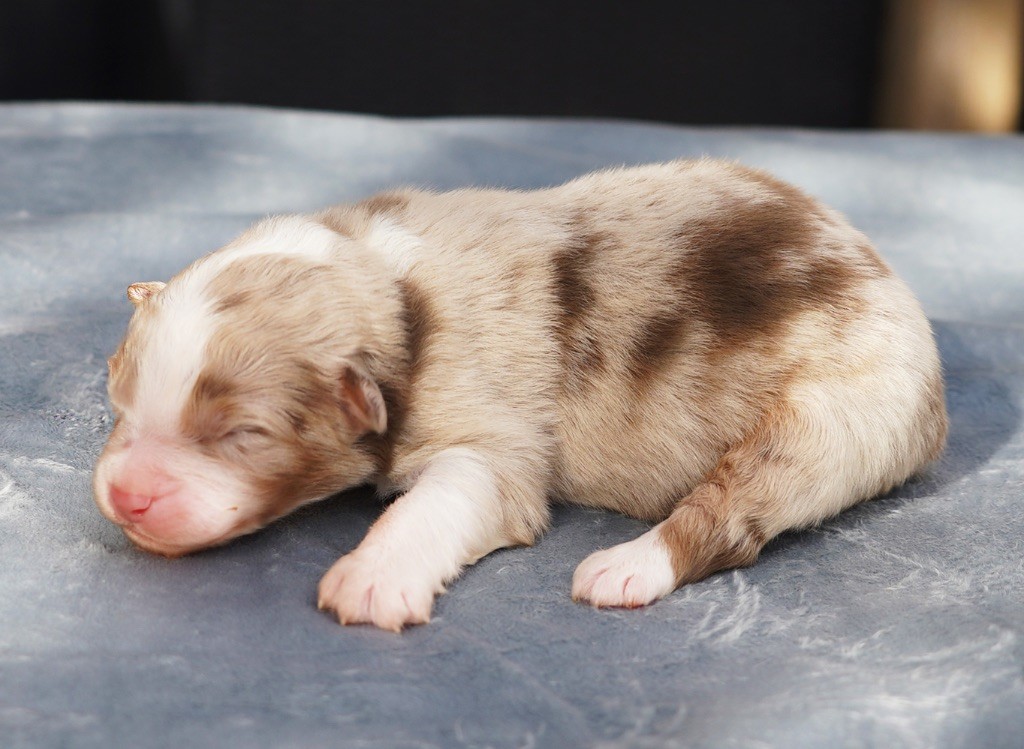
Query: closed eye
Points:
[244, 432]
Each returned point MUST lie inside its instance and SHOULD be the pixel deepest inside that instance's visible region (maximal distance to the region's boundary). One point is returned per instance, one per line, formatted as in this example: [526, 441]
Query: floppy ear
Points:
[140, 292]
[362, 405]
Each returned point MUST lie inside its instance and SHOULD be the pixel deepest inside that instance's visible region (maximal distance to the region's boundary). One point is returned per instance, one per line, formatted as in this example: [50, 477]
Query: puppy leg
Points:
[706, 532]
[450, 518]
[792, 471]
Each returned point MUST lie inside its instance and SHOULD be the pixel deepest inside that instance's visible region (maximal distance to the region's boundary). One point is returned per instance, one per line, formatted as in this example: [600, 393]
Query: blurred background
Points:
[923, 64]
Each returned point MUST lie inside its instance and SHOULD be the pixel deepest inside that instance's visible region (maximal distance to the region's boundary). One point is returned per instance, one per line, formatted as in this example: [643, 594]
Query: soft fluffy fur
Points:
[696, 344]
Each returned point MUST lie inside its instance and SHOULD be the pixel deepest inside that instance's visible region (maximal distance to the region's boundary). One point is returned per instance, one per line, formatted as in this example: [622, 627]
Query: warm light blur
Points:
[953, 65]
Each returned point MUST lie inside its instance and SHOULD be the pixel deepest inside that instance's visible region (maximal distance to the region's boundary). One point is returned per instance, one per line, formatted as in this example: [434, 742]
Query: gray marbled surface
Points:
[897, 624]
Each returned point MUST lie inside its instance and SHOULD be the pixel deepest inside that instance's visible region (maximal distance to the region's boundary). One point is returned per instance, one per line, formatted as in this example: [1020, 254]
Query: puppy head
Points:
[240, 392]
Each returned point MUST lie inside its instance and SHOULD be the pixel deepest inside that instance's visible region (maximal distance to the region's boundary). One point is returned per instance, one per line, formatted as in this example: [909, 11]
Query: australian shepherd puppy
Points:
[696, 344]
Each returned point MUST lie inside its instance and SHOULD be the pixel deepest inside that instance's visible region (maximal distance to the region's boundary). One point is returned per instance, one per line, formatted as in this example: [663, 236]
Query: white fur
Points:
[632, 574]
[211, 501]
[175, 342]
[450, 518]
[398, 247]
[298, 236]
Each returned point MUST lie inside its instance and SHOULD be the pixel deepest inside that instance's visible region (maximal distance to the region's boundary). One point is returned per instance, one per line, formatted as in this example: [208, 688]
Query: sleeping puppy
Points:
[695, 344]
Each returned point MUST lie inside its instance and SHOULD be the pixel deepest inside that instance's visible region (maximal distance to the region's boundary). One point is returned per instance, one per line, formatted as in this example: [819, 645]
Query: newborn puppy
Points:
[695, 344]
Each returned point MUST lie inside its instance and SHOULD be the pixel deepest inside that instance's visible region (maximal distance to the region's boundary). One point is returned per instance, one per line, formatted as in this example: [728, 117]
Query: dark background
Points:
[818, 63]
[802, 62]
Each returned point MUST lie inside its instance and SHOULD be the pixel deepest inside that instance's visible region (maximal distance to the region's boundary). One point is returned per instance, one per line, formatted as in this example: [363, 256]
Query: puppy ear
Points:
[362, 405]
[140, 292]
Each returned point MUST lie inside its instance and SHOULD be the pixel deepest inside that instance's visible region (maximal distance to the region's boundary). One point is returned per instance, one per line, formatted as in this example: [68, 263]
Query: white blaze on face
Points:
[200, 500]
[185, 320]
[170, 359]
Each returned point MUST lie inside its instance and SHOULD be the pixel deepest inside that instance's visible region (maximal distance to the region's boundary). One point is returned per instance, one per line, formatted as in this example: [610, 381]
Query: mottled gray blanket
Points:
[897, 624]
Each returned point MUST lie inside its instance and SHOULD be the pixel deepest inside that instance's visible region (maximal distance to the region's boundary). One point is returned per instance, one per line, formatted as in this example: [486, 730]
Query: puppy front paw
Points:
[628, 575]
[363, 588]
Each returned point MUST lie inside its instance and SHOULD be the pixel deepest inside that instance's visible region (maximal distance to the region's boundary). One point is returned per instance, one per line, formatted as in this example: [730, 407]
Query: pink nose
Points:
[129, 507]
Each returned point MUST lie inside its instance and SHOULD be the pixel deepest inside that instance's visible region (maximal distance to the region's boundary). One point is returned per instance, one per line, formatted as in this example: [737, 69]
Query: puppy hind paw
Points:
[629, 575]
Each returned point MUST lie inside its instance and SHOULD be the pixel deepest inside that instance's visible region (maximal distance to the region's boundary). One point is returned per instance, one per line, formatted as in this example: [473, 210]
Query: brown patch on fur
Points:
[873, 264]
[230, 301]
[385, 202]
[722, 523]
[697, 537]
[737, 275]
[287, 447]
[743, 273]
[338, 220]
[419, 320]
[209, 410]
[274, 412]
[576, 297]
